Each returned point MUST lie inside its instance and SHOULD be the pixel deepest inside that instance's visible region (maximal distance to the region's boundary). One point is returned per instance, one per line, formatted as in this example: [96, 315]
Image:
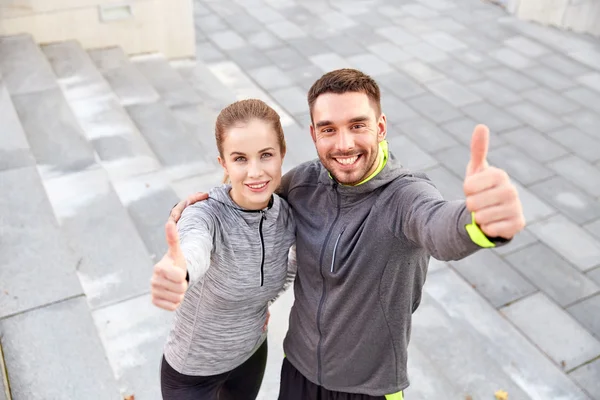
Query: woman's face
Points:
[252, 158]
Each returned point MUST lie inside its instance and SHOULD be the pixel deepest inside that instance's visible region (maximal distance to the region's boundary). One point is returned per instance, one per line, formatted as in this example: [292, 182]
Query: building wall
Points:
[578, 15]
[138, 26]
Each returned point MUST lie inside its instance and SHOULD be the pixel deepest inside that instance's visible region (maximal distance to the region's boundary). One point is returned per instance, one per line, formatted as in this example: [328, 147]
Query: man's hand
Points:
[178, 209]
[489, 192]
[168, 279]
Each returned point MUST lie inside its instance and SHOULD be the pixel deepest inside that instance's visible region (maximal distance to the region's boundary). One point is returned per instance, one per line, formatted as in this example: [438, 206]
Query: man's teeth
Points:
[347, 161]
[262, 185]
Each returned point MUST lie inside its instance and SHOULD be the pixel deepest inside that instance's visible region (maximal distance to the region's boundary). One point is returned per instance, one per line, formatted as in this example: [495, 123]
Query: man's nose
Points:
[345, 140]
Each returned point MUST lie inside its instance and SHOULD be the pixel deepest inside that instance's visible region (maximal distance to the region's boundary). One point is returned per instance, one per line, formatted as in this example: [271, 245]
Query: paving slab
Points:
[568, 198]
[587, 377]
[521, 240]
[89, 212]
[38, 267]
[584, 97]
[581, 173]
[14, 148]
[535, 207]
[409, 154]
[551, 101]
[447, 183]
[434, 108]
[501, 345]
[23, 66]
[519, 165]
[562, 282]
[494, 117]
[55, 137]
[586, 312]
[454, 93]
[511, 79]
[495, 93]
[586, 120]
[553, 330]
[578, 142]
[133, 333]
[535, 116]
[570, 240]
[493, 277]
[72, 356]
[535, 144]
[126, 81]
[397, 111]
[420, 71]
[427, 135]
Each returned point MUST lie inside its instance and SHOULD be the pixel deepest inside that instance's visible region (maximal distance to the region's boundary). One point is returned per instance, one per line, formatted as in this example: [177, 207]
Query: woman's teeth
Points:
[262, 185]
[347, 161]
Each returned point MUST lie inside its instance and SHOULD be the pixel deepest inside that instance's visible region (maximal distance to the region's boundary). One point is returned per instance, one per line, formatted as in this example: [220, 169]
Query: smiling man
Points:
[366, 229]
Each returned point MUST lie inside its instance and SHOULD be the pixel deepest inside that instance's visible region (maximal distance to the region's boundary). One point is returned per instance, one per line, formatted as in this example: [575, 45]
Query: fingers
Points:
[479, 149]
[174, 248]
[501, 194]
[484, 180]
[178, 209]
[167, 287]
[506, 228]
[164, 304]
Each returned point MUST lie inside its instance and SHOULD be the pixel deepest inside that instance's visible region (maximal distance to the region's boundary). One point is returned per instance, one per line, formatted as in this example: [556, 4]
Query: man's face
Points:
[347, 130]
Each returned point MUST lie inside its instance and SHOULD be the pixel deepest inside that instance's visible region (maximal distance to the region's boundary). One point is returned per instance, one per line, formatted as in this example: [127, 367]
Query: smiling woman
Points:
[228, 258]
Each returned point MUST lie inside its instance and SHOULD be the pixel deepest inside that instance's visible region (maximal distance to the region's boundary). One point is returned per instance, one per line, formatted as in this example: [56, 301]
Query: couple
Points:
[354, 228]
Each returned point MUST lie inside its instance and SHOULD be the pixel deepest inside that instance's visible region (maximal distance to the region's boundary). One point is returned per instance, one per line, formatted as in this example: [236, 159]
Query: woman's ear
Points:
[222, 162]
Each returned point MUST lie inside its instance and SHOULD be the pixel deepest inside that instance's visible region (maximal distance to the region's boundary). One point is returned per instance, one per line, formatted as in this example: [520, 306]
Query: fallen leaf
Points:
[468, 397]
[130, 397]
[563, 364]
[501, 395]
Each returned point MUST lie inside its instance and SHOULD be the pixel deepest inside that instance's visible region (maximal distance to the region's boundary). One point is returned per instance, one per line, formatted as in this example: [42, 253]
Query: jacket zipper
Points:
[262, 247]
[324, 294]
[335, 250]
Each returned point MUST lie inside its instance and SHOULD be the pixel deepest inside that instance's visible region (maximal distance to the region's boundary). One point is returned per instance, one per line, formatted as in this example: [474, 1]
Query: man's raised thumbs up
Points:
[168, 279]
[489, 192]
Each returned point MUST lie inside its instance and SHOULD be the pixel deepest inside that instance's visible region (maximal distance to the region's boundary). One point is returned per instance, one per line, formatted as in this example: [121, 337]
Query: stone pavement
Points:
[96, 148]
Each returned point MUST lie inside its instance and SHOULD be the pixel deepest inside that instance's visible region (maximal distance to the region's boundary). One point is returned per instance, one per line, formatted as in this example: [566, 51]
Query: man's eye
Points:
[327, 130]
[267, 155]
[358, 126]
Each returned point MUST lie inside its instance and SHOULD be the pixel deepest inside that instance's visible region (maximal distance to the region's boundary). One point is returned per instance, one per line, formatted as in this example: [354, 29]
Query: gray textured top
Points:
[237, 262]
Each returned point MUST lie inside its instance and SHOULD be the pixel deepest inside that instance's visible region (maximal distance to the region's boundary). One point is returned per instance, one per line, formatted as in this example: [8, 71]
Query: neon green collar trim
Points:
[383, 157]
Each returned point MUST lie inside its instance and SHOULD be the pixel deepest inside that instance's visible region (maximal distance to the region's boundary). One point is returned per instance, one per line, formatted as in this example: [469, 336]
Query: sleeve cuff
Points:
[476, 234]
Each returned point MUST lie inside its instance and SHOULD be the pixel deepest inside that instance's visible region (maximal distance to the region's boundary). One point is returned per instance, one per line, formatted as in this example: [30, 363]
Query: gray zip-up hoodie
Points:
[362, 256]
[237, 262]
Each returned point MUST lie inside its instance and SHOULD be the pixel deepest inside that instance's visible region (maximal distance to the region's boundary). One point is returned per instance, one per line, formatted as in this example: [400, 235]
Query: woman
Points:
[227, 259]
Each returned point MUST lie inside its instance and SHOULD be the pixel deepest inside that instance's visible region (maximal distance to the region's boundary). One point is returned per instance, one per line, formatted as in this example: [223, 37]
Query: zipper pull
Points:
[264, 215]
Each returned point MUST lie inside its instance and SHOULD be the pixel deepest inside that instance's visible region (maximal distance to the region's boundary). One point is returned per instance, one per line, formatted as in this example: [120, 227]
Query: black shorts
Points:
[242, 383]
[294, 386]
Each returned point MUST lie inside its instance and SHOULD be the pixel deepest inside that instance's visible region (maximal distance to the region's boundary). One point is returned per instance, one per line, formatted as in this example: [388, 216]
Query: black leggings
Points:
[241, 383]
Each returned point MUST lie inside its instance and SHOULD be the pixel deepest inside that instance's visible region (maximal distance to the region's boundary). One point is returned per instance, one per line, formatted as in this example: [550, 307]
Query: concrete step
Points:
[94, 222]
[23, 66]
[134, 333]
[54, 352]
[14, 148]
[125, 79]
[173, 89]
[55, 137]
[38, 267]
[105, 123]
[479, 350]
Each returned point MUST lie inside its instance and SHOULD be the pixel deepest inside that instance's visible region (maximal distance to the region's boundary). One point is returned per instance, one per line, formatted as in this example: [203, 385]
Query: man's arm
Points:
[450, 230]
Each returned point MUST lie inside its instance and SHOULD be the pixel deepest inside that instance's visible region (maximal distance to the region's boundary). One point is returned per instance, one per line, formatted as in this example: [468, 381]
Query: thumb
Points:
[479, 149]
[174, 250]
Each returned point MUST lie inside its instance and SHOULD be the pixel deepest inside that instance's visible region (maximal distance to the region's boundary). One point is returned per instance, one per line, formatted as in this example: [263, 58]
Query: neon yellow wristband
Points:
[477, 235]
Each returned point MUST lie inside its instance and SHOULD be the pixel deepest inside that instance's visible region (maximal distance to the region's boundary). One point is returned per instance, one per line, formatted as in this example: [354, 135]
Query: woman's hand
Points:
[168, 281]
[267, 321]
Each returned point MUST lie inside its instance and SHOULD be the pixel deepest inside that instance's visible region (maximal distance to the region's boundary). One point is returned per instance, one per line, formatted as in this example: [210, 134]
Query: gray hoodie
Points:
[237, 262]
[362, 257]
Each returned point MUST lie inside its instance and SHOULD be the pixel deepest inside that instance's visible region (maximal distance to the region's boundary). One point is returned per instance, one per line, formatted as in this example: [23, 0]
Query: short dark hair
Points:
[344, 81]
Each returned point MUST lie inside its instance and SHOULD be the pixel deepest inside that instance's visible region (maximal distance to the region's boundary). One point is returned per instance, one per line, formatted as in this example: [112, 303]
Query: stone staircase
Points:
[95, 149]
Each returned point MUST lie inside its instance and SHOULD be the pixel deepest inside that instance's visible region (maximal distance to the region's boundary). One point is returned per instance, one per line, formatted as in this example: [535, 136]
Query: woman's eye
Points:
[267, 155]
[239, 159]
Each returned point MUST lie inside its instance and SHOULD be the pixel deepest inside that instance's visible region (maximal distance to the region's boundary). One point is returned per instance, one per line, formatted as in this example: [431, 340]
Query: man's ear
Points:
[381, 127]
[312, 133]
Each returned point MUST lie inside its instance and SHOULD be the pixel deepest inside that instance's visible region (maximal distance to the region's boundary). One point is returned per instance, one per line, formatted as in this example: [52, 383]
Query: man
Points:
[366, 229]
